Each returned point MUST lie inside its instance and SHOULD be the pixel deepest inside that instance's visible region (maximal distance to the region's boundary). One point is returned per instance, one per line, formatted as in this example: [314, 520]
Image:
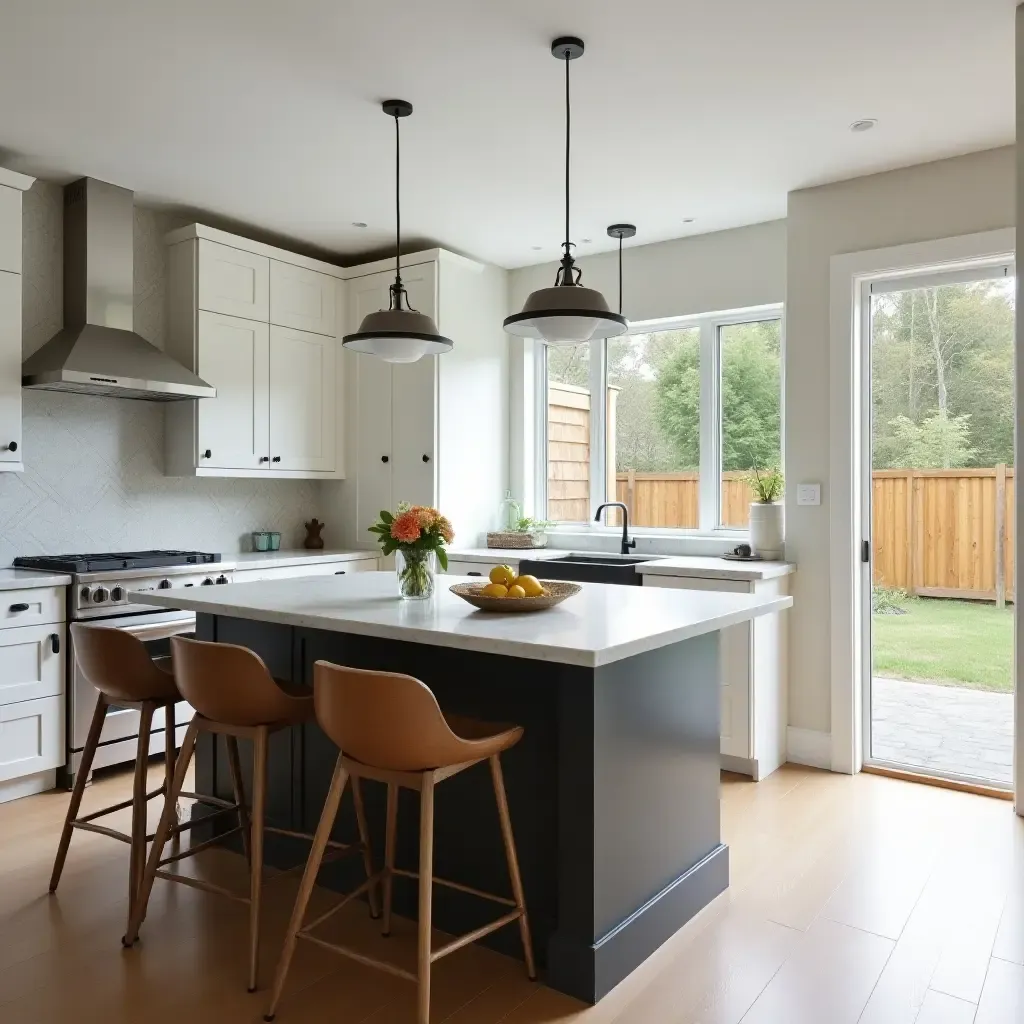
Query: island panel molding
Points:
[613, 791]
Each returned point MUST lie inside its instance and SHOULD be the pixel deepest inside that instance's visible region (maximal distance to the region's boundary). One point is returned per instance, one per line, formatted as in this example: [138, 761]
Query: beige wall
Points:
[943, 199]
[701, 274]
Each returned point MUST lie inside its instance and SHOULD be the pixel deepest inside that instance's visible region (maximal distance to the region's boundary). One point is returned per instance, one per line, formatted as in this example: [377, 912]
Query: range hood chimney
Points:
[97, 352]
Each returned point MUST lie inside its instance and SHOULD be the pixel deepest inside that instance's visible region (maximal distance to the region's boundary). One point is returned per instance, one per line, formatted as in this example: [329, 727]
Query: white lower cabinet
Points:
[33, 645]
[754, 677]
[287, 572]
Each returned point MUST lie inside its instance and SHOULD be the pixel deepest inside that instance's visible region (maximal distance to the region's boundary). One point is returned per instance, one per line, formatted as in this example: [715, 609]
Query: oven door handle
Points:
[161, 630]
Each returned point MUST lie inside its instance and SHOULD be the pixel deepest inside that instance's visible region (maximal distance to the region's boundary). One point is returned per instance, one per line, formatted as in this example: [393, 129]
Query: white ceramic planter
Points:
[766, 529]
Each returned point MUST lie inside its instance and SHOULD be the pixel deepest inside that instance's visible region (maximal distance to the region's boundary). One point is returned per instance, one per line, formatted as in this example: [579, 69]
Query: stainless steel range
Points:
[97, 594]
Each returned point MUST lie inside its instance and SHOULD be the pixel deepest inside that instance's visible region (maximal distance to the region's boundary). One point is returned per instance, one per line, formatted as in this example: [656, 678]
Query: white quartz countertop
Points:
[600, 625]
[298, 556]
[19, 579]
[703, 566]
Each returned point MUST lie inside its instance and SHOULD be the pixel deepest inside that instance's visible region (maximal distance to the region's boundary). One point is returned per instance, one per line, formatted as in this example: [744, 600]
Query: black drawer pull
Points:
[474, 574]
[340, 572]
[19, 607]
[55, 643]
[276, 458]
[13, 446]
[207, 454]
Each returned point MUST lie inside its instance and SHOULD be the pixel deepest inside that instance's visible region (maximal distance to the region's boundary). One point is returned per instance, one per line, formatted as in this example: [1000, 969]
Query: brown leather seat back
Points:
[385, 719]
[229, 684]
[118, 664]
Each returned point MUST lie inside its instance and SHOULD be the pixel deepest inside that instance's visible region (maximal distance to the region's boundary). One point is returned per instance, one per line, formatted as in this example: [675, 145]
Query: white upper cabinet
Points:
[265, 333]
[233, 427]
[11, 187]
[233, 281]
[303, 299]
[302, 400]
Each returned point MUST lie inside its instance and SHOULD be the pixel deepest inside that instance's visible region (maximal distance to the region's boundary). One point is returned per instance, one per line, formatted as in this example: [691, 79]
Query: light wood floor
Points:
[853, 900]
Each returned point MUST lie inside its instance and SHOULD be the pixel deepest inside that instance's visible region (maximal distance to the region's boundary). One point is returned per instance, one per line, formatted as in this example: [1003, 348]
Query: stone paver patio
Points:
[944, 728]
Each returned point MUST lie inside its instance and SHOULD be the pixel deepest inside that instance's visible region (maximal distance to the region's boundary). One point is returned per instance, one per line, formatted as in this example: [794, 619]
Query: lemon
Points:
[503, 574]
[494, 590]
[515, 591]
[530, 584]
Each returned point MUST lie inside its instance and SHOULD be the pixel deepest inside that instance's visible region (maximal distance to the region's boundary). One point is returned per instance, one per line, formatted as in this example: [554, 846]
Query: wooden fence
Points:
[671, 499]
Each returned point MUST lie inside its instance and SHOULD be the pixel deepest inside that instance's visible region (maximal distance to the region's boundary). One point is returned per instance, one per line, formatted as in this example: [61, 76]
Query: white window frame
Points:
[710, 496]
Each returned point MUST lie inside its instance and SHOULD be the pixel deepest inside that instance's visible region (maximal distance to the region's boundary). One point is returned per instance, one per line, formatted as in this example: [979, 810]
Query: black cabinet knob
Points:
[13, 446]
[426, 458]
[207, 454]
[276, 458]
[383, 458]
[264, 458]
[19, 607]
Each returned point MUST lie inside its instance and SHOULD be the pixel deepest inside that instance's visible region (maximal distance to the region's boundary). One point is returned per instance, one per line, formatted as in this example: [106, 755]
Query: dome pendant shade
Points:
[566, 313]
[398, 334]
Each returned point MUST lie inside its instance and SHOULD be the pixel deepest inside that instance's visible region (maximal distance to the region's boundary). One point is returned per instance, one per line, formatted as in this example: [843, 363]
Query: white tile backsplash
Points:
[93, 477]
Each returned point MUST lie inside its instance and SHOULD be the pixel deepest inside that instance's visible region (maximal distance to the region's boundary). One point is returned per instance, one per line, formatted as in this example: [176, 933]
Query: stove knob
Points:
[99, 595]
[164, 585]
[208, 582]
[85, 594]
[117, 593]
[222, 579]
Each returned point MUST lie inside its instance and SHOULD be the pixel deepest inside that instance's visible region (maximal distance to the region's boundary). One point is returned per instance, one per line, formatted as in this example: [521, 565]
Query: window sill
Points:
[648, 541]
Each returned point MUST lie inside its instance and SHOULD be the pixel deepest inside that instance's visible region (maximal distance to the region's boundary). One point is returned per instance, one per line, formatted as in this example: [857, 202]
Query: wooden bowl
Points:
[555, 592]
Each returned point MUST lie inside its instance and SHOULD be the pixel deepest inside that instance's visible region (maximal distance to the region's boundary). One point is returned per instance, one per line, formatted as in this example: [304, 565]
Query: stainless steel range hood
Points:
[97, 352]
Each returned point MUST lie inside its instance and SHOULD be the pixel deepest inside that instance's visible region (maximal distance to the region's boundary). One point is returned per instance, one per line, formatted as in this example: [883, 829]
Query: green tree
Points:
[939, 442]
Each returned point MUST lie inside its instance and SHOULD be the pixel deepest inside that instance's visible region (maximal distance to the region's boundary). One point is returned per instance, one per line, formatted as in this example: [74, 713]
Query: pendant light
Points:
[566, 313]
[621, 231]
[398, 334]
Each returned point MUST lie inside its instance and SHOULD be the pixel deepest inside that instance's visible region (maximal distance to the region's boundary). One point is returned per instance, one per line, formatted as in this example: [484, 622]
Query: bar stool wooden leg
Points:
[259, 803]
[426, 894]
[364, 837]
[167, 819]
[137, 865]
[513, 863]
[170, 753]
[390, 840]
[81, 778]
[238, 787]
[316, 855]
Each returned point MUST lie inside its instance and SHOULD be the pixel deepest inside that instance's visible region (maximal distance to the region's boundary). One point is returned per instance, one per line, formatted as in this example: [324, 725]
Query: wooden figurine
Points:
[313, 539]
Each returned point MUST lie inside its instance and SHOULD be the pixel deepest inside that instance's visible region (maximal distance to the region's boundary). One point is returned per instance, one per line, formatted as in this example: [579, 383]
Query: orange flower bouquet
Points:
[417, 536]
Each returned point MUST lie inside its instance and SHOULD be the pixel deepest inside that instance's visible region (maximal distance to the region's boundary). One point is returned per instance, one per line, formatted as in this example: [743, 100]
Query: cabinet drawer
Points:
[29, 666]
[457, 568]
[31, 737]
[233, 281]
[31, 606]
[302, 299]
[291, 572]
[697, 583]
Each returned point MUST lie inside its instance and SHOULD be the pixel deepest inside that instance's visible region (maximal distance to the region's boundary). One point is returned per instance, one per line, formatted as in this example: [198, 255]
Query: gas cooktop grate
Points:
[115, 560]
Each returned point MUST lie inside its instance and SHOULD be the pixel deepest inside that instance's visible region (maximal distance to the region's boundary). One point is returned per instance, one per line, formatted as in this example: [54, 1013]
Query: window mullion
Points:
[710, 428]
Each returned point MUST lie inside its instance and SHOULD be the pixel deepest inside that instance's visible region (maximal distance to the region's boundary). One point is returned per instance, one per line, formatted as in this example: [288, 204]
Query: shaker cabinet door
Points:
[302, 400]
[233, 281]
[233, 427]
[303, 299]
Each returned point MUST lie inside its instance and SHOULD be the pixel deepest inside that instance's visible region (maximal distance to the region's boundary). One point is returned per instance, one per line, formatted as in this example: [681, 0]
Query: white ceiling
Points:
[267, 112]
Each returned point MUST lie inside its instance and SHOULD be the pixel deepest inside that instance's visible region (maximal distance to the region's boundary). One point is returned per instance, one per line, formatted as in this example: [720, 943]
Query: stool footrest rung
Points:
[361, 958]
[344, 901]
[504, 900]
[476, 933]
[192, 850]
[201, 883]
[110, 833]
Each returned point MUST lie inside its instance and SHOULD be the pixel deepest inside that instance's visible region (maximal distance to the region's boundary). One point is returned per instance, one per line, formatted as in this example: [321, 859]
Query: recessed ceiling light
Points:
[865, 124]
[359, 223]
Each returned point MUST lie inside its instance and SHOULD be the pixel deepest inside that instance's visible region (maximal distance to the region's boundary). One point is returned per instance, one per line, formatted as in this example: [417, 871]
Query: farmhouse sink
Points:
[583, 567]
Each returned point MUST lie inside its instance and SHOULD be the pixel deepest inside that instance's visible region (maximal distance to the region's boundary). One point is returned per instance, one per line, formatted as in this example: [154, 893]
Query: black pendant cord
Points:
[620, 275]
[398, 214]
[568, 138]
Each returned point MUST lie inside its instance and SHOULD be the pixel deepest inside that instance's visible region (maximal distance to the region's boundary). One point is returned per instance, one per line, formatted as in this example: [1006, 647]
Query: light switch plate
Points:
[808, 494]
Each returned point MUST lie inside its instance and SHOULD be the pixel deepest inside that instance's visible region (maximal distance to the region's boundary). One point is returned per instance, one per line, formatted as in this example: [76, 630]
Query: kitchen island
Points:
[613, 791]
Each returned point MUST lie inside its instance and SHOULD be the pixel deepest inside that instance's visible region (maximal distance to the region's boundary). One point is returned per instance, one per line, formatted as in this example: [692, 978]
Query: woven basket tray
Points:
[514, 540]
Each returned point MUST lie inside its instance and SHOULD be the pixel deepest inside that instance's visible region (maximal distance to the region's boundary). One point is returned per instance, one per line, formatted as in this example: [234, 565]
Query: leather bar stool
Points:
[390, 728]
[235, 696]
[119, 666]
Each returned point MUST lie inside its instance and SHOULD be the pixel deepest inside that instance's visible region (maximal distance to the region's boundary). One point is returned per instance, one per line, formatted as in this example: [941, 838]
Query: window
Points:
[688, 409]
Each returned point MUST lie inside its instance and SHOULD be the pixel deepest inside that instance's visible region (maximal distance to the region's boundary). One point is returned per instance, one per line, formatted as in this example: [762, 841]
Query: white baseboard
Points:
[810, 747]
[15, 789]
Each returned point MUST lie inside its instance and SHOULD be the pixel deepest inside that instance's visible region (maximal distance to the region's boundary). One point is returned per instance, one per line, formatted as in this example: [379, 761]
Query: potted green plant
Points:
[536, 528]
[766, 511]
[417, 536]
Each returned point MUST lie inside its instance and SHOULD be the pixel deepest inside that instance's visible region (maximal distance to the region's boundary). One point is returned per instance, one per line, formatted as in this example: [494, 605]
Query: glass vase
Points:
[416, 571]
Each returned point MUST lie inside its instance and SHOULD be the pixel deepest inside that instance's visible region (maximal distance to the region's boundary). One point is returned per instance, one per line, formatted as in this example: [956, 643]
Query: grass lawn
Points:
[959, 643]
